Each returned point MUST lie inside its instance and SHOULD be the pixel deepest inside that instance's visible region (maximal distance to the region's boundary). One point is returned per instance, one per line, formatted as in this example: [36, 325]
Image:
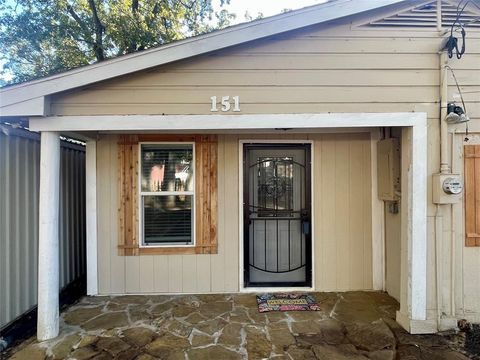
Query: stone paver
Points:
[167, 346]
[339, 352]
[199, 339]
[31, 352]
[112, 345]
[79, 315]
[107, 321]
[64, 346]
[371, 337]
[213, 352]
[84, 353]
[231, 335]
[353, 325]
[139, 336]
[258, 346]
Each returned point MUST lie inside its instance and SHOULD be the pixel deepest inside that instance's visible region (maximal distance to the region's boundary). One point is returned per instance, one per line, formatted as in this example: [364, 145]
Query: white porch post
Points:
[413, 305]
[48, 247]
[418, 250]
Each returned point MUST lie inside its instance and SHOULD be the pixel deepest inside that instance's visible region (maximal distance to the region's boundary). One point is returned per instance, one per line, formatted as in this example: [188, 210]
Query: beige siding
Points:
[359, 70]
[343, 240]
[466, 259]
[165, 273]
[342, 218]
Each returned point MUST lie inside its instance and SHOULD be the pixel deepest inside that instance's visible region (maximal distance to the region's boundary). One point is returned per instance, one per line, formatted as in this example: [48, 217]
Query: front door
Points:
[277, 215]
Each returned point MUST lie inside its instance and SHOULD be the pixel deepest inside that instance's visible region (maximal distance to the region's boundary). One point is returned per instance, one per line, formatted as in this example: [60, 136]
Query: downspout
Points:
[444, 164]
[452, 242]
[438, 236]
[444, 168]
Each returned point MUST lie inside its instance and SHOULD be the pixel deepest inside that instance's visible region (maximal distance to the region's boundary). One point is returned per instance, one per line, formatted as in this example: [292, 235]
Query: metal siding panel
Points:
[8, 254]
[22, 217]
[83, 213]
[71, 210]
[66, 213]
[3, 229]
[34, 226]
[76, 219]
[61, 220]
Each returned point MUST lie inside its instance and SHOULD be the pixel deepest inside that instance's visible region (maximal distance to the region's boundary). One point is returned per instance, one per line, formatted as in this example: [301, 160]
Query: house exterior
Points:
[307, 151]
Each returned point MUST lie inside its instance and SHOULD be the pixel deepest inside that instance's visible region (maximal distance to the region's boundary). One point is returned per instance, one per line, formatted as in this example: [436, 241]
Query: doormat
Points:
[286, 302]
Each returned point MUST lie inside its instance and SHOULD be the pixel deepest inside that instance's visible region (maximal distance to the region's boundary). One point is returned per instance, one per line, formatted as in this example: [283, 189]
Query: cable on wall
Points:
[461, 97]
[452, 44]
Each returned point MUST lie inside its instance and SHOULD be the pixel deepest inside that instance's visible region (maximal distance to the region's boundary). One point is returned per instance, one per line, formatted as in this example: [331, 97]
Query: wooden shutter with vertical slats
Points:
[472, 195]
[205, 195]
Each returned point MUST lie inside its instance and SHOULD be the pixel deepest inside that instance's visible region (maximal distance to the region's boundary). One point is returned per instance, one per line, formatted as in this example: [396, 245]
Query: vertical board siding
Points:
[343, 232]
[342, 218]
[103, 221]
[19, 186]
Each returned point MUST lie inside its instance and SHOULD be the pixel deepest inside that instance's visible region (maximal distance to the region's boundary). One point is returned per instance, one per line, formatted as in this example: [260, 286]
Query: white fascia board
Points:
[198, 45]
[137, 123]
[30, 107]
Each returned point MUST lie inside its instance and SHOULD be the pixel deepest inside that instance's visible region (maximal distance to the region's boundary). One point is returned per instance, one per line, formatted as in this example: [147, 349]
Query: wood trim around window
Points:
[205, 195]
[472, 195]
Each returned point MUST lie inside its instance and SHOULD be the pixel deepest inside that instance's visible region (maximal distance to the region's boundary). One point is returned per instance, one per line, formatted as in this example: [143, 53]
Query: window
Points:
[167, 201]
[167, 194]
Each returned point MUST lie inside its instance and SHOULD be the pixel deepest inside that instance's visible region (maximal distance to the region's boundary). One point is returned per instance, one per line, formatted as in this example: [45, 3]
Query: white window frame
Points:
[141, 194]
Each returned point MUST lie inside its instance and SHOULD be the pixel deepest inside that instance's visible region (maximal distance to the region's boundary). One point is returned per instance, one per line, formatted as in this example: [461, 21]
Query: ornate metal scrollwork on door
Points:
[277, 214]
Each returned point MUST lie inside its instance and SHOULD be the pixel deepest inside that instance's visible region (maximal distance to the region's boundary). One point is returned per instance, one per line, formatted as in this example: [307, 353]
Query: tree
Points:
[43, 37]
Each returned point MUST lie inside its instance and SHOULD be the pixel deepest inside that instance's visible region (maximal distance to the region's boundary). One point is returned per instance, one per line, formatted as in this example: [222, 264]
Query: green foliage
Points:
[249, 17]
[43, 37]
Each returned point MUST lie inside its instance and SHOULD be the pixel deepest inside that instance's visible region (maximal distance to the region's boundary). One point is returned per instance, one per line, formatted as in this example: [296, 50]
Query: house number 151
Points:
[226, 104]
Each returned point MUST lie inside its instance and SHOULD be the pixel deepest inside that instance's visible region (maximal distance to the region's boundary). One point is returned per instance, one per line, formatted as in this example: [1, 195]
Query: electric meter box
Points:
[447, 188]
[388, 169]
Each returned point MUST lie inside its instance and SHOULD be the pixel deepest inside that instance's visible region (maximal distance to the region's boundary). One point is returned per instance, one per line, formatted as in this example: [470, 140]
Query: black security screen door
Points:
[277, 215]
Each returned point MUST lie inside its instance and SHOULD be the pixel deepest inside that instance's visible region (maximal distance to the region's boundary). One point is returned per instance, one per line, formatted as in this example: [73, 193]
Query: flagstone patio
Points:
[353, 325]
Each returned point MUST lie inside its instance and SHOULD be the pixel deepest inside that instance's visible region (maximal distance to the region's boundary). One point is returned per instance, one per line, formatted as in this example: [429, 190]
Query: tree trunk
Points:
[132, 47]
[99, 30]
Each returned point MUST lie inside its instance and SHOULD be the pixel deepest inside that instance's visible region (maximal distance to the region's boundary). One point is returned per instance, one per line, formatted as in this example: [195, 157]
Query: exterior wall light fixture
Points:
[456, 114]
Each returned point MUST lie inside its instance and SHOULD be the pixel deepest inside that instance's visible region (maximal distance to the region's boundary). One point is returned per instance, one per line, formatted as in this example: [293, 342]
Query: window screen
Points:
[167, 194]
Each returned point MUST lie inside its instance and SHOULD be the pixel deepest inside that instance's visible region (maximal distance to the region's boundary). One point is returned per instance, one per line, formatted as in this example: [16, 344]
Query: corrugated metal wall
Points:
[19, 185]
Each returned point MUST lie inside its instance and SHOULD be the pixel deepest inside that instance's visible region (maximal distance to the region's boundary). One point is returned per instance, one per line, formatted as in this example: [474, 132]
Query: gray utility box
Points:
[388, 169]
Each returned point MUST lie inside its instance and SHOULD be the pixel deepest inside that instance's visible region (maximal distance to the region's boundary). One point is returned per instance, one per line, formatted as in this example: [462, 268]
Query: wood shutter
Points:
[472, 195]
[205, 195]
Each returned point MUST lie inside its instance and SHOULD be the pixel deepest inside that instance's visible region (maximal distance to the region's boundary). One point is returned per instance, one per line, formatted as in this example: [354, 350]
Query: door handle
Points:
[305, 222]
[305, 227]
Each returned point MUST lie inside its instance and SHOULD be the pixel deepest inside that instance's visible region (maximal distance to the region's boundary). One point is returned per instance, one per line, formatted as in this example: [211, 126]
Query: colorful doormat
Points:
[286, 302]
